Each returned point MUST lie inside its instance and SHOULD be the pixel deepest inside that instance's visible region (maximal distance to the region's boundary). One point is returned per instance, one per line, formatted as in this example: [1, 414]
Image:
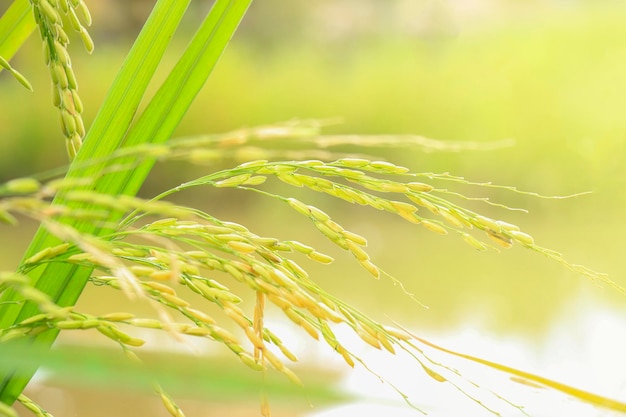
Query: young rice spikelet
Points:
[17, 75]
[171, 406]
[55, 41]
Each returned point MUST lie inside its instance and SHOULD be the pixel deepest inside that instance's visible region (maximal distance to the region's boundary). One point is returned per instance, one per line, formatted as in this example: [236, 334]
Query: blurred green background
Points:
[549, 74]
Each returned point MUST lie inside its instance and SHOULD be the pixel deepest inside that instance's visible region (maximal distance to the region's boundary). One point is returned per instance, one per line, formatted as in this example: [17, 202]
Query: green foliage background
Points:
[550, 78]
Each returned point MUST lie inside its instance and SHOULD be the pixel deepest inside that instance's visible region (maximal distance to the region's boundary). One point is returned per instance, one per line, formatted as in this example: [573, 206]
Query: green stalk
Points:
[111, 130]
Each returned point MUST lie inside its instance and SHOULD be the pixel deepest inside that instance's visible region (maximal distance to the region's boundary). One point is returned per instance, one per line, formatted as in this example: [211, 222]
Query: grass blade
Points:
[16, 25]
[170, 103]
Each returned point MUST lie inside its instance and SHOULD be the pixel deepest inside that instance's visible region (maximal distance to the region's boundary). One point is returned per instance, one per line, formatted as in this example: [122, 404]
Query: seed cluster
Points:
[355, 170]
[189, 250]
[48, 15]
[248, 258]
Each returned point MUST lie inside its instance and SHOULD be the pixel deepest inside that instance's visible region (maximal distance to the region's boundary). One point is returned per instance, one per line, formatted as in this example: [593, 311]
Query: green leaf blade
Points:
[16, 25]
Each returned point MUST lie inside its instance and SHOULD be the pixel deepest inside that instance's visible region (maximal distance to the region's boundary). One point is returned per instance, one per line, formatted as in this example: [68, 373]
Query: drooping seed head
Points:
[250, 362]
[22, 186]
[473, 242]
[357, 251]
[300, 247]
[299, 206]
[387, 167]
[200, 315]
[353, 162]
[121, 316]
[507, 226]
[501, 239]
[320, 257]
[449, 218]
[370, 267]
[318, 214]
[289, 178]
[487, 223]
[232, 181]
[522, 237]
[177, 301]
[420, 187]
[49, 12]
[434, 227]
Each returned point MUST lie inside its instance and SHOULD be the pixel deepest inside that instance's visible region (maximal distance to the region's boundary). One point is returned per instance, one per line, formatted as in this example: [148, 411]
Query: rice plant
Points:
[95, 231]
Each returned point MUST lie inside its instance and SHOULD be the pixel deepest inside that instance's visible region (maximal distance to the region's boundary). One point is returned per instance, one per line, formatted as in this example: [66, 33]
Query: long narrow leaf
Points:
[16, 25]
[171, 102]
